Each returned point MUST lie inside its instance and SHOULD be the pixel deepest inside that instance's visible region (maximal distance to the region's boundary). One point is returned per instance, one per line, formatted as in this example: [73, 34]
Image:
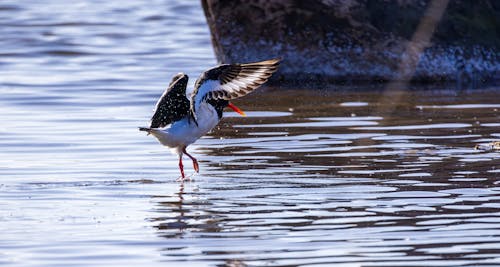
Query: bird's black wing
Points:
[230, 81]
[173, 104]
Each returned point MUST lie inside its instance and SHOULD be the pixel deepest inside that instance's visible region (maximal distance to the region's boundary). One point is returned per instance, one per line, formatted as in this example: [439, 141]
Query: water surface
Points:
[344, 176]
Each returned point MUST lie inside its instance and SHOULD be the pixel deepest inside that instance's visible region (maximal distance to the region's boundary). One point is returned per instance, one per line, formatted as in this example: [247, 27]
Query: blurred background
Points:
[327, 41]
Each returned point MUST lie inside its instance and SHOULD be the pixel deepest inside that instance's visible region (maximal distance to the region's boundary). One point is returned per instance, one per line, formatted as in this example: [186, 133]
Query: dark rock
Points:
[356, 40]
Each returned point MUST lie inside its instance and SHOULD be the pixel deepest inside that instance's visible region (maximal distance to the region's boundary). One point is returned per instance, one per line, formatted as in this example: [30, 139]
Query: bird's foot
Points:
[185, 178]
[191, 177]
[196, 166]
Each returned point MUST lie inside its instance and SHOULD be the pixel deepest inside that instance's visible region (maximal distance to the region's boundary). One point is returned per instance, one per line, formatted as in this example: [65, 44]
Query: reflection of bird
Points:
[179, 122]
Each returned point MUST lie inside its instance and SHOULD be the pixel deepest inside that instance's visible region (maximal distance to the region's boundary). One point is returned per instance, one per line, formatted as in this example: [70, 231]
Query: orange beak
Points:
[235, 108]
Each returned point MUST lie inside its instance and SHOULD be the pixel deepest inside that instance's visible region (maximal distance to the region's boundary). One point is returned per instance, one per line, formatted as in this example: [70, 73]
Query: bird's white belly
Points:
[185, 131]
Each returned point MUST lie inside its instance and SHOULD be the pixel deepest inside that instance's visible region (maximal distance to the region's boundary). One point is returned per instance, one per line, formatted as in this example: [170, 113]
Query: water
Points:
[346, 176]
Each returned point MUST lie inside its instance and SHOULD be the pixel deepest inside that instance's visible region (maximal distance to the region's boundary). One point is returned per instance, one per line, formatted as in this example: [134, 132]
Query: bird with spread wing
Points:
[178, 121]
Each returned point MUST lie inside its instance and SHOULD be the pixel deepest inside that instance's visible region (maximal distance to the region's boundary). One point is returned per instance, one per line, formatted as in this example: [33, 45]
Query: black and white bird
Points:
[178, 121]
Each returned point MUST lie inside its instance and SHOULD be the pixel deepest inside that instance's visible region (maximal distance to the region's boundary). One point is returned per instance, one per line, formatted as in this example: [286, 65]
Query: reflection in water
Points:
[180, 214]
[168, 225]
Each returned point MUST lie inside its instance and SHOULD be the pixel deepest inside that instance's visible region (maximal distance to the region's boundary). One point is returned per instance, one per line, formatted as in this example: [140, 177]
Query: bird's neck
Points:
[218, 105]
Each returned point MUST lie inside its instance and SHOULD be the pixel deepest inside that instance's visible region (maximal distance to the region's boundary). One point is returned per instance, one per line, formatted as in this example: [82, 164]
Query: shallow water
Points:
[347, 176]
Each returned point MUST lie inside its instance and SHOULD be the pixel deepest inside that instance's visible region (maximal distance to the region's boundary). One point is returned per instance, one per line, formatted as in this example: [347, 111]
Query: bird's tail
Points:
[144, 129]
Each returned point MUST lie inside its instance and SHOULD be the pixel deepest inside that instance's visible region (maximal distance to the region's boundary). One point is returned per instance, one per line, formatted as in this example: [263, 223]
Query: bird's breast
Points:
[207, 118]
[185, 132]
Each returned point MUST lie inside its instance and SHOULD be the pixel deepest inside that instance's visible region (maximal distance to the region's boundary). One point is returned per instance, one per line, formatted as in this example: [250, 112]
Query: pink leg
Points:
[195, 162]
[181, 167]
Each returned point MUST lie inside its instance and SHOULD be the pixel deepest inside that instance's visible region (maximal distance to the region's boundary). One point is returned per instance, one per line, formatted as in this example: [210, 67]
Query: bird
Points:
[179, 120]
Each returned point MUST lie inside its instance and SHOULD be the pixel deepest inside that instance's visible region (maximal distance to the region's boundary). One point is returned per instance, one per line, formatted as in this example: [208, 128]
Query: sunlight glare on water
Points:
[309, 177]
